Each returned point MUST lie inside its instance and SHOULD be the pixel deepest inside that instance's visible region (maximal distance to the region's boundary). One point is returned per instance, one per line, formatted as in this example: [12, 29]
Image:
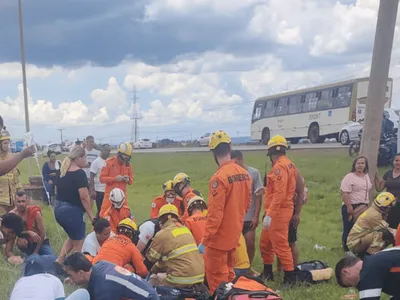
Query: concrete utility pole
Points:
[135, 118]
[378, 81]
[61, 132]
[21, 39]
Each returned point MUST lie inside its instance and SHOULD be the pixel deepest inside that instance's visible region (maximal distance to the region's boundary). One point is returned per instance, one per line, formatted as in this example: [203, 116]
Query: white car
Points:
[203, 141]
[350, 132]
[143, 144]
[53, 147]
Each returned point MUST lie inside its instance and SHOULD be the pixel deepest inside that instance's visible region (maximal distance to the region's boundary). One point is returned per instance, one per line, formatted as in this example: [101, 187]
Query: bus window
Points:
[343, 98]
[282, 108]
[295, 104]
[311, 102]
[269, 110]
[257, 111]
[325, 101]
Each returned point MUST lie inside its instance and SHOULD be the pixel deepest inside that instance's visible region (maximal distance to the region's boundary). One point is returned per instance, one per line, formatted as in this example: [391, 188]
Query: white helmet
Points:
[117, 198]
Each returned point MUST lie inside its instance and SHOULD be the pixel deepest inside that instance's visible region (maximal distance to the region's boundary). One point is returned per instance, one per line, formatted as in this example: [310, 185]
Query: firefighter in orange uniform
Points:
[228, 200]
[183, 189]
[119, 209]
[196, 222]
[169, 197]
[117, 173]
[279, 194]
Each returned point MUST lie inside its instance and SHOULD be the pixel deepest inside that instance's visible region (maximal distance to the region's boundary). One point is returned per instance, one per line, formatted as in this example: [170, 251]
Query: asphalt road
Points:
[242, 148]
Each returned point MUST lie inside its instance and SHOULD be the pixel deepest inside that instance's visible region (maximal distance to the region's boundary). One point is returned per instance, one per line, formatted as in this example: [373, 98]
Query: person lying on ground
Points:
[375, 274]
[169, 197]
[146, 232]
[121, 250]
[173, 258]
[11, 226]
[118, 210]
[371, 233]
[38, 284]
[95, 239]
[107, 281]
[33, 239]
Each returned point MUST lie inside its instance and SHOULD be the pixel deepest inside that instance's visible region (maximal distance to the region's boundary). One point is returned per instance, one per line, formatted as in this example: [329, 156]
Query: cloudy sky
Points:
[197, 65]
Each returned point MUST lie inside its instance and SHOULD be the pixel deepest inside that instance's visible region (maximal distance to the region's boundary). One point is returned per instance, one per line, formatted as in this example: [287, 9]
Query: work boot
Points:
[291, 278]
[267, 274]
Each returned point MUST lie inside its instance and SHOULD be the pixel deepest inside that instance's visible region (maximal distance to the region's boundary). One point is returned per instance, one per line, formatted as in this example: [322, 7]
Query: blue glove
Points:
[201, 248]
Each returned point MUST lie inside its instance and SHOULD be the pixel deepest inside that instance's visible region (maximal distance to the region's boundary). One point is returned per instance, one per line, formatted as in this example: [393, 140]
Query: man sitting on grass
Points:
[11, 226]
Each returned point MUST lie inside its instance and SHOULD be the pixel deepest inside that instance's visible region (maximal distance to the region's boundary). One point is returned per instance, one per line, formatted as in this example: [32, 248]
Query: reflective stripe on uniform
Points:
[185, 280]
[357, 228]
[179, 231]
[154, 254]
[370, 293]
[128, 285]
[179, 251]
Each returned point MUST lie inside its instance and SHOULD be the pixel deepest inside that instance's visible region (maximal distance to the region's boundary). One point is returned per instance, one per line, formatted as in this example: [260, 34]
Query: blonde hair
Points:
[77, 152]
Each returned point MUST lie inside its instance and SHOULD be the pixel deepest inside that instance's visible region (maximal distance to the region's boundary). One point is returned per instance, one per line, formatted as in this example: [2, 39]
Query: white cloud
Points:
[113, 98]
[14, 71]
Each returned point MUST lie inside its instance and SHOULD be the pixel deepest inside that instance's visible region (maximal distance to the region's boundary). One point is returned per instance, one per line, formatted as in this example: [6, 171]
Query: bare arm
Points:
[40, 228]
[9, 247]
[85, 199]
[299, 194]
[91, 184]
[9, 164]
[379, 182]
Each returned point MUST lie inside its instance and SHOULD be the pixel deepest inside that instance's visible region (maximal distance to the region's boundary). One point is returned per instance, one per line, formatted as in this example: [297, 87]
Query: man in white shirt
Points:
[147, 230]
[95, 239]
[91, 154]
[96, 188]
[43, 286]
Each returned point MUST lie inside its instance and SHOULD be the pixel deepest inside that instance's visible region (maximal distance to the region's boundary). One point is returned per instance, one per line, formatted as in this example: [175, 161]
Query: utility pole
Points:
[135, 117]
[21, 39]
[61, 132]
[378, 81]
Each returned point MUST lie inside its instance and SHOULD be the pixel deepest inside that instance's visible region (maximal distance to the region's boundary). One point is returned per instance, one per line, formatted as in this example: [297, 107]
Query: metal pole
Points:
[378, 81]
[21, 36]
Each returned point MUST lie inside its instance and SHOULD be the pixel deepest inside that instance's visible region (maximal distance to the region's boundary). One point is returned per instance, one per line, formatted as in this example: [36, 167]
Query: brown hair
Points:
[76, 152]
[366, 169]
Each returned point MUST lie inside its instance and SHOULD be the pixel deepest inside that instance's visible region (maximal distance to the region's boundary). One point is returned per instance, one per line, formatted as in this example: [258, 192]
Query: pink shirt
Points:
[358, 188]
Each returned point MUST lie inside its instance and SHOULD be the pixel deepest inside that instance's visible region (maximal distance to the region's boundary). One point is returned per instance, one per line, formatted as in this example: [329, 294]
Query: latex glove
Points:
[201, 248]
[266, 222]
[119, 178]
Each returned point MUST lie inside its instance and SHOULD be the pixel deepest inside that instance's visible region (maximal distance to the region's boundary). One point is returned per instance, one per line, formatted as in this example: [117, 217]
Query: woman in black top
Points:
[391, 181]
[73, 201]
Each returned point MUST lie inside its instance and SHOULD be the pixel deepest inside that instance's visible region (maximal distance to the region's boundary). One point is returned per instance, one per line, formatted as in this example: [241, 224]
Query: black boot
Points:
[267, 274]
[291, 278]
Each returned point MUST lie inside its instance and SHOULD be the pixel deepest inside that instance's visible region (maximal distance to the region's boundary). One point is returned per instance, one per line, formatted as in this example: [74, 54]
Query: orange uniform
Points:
[278, 204]
[397, 238]
[108, 176]
[121, 251]
[228, 200]
[114, 216]
[189, 195]
[197, 225]
[160, 201]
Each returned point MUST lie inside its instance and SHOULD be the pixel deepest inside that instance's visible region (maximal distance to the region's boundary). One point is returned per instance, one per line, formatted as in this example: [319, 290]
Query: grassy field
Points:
[320, 221]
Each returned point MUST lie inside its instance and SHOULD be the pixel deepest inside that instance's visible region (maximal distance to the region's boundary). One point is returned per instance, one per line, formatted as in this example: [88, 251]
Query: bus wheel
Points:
[266, 135]
[313, 133]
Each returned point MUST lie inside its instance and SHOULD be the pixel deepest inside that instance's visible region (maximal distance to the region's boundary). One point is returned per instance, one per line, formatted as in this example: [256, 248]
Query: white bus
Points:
[315, 113]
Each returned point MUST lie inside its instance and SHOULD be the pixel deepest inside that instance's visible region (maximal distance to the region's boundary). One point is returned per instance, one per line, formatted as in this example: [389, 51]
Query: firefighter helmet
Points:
[218, 138]
[168, 209]
[117, 198]
[385, 199]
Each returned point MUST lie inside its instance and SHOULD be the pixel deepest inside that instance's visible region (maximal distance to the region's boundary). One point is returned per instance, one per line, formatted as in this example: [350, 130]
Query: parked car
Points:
[143, 144]
[350, 132]
[203, 141]
[54, 147]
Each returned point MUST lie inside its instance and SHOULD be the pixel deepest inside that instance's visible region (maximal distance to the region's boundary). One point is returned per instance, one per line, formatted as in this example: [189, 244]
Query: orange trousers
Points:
[219, 267]
[274, 240]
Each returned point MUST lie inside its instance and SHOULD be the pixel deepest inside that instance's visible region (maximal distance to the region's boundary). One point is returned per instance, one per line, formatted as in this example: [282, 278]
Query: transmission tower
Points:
[135, 117]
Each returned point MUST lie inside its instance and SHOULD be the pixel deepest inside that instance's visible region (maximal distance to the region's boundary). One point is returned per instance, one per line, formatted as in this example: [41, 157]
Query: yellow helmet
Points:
[4, 135]
[277, 141]
[385, 199]
[196, 200]
[128, 223]
[217, 138]
[168, 209]
[168, 186]
[125, 148]
[181, 178]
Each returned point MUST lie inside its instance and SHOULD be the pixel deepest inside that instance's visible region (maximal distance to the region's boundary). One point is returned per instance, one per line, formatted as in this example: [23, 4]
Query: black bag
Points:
[303, 271]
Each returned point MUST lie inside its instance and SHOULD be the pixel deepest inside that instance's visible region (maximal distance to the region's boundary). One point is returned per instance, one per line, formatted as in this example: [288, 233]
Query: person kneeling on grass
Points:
[375, 274]
[11, 226]
[371, 233]
[95, 239]
[107, 281]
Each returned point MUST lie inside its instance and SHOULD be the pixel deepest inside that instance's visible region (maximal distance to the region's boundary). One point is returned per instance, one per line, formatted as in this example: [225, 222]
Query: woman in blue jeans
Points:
[73, 200]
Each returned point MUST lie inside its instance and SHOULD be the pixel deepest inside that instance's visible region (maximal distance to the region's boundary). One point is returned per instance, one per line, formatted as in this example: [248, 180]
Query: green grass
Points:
[320, 219]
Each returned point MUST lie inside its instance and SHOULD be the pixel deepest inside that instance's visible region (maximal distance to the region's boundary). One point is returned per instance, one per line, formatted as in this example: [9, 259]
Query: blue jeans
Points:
[80, 294]
[45, 249]
[347, 226]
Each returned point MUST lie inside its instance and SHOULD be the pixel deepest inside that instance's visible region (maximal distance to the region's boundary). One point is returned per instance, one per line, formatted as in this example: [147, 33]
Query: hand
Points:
[119, 178]
[295, 220]
[93, 194]
[350, 211]
[201, 248]
[15, 260]
[126, 178]
[266, 222]
[35, 237]
[52, 174]
[28, 152]
[50, 182]
[254, 222]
